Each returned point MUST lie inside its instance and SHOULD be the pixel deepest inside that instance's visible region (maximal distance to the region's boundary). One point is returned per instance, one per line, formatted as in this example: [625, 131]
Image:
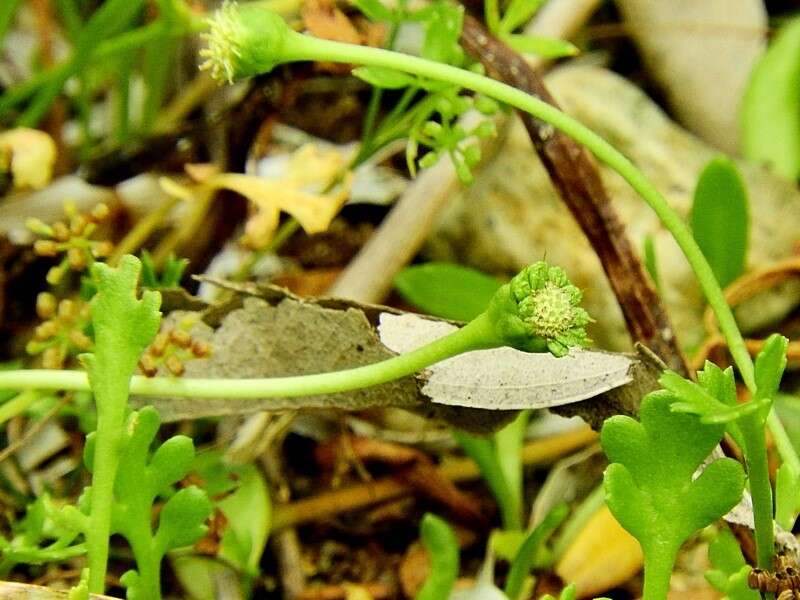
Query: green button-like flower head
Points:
[539, 310]
[246, 40]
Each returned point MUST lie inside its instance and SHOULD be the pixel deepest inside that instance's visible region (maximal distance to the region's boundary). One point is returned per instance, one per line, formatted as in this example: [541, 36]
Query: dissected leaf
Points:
[123, 328]
[771, 105]
[720, 219]
[650, 485]
[446, 290]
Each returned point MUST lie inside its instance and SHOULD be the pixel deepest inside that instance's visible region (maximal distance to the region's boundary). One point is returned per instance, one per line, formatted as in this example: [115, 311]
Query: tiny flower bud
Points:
[76, 257]
[60, 231]
[45, 331]
[67, 310]
[201, 349]
[100, 212]
[45, 248]
[175, 366]
[45, 305]
[53, 358]
[159, 344]
[78, 224]
[39, 227]
[180, 338]
[80, 340]
[56, 274]
[102, 249]
[147, 365]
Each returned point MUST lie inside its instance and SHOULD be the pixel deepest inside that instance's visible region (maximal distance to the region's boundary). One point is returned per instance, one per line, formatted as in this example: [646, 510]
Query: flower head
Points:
[538, 310]
[245, 40]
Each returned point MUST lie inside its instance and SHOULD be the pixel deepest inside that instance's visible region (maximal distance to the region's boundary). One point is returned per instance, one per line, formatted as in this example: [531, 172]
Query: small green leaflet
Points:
[771, 105]
[650, 485]
[381, 77]
[720, 219]
[446, 290]
[540, 46]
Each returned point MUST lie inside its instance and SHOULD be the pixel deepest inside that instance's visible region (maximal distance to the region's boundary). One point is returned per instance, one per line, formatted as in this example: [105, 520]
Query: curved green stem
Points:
[476, 335]
[301, 47]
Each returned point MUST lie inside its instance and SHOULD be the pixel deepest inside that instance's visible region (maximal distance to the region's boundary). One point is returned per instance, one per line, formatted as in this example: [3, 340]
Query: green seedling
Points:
[729, 574]
[720, 219]
[141, 479]
[650, 485]
[442, 546]
[713, 398]
[526, 555]
[123, 327]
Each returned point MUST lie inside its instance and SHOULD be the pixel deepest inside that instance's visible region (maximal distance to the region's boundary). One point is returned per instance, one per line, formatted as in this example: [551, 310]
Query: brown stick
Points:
[577, 180]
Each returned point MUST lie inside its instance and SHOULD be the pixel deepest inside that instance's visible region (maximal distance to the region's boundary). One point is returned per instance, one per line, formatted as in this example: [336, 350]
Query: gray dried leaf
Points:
[504, 378]
[263, 331]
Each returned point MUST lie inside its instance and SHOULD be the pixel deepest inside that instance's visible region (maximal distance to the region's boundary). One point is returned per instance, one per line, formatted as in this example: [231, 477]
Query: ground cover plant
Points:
[110, 351]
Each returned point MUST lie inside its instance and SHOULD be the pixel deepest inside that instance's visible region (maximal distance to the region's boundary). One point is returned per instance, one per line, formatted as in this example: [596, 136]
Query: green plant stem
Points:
[475, 335]
[106, 460]
[658, 563]
[148, 559]
[308, 48]
[18, 404]
[760, 487]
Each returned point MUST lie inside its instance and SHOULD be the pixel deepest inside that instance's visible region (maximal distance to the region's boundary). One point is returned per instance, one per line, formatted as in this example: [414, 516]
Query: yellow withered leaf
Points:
[29, 154]
[601, 557]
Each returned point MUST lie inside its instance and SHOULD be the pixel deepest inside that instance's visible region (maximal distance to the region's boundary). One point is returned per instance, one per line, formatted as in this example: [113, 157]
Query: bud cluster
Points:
[170, 349]
[62, 332]
[70, 239]
[539, 310]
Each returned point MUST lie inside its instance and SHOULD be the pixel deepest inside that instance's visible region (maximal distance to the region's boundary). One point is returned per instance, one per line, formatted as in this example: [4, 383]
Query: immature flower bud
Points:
[539, 310]
[246, 40]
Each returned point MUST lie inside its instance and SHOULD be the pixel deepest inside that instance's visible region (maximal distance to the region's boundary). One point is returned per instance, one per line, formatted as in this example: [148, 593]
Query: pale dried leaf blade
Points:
[504, 378]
